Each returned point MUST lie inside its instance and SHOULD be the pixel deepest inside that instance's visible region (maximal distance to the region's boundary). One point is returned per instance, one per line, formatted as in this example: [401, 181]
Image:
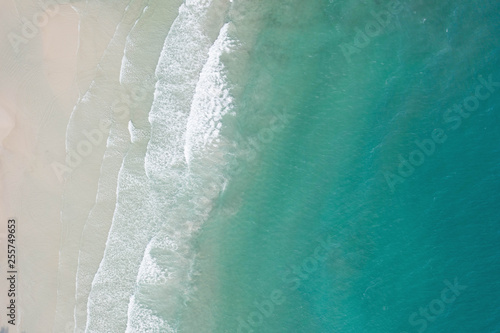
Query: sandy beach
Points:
[46, 76]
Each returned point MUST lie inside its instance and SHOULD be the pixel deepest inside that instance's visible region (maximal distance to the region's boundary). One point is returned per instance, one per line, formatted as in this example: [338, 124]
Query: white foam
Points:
[149, 271]
[212, 99]
[184, 54]
[142, 320]
[130, 262]
[190, 74]
[136, 134]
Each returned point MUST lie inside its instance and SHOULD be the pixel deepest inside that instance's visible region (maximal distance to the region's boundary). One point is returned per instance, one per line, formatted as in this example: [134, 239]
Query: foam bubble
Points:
[163, 184]
[212, 99]
[144, 320]
[150, 272]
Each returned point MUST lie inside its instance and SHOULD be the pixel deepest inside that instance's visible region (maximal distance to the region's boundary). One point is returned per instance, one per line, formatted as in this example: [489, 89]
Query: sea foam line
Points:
[211, 99]
[135, 221]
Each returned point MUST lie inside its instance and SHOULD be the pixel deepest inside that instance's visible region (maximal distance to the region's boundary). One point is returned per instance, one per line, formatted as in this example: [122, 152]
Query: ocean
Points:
[298, 166]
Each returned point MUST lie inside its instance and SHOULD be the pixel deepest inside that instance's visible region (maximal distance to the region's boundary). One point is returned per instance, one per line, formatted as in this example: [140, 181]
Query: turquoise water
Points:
[323, 175]
[303, 168]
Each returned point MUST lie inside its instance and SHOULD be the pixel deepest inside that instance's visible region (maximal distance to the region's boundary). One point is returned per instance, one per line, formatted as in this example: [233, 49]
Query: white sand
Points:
[40, 86]
[30, 190]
